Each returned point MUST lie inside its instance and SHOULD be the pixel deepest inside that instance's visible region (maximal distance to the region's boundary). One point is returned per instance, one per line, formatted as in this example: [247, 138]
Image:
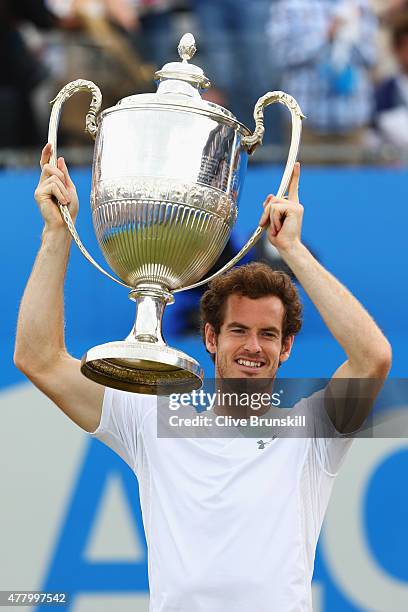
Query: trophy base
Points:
[142, 367]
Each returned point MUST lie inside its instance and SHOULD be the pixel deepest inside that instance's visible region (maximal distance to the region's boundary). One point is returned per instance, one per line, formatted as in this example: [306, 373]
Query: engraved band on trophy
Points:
[167, 174]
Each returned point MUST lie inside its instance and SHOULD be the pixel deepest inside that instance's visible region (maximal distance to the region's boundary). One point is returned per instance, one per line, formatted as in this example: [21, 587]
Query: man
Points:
[232, 35]
[231, 525]
[325, 50]
[391, 96]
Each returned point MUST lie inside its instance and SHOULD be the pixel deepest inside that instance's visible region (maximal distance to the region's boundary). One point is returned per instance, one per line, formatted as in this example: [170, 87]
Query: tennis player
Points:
[231, 523]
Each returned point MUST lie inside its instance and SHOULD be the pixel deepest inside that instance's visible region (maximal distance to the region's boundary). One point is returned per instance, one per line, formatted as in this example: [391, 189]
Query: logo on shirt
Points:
[262, 444]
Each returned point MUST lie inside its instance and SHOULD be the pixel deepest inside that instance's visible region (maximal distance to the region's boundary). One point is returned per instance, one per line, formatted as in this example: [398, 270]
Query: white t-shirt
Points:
[230, 526]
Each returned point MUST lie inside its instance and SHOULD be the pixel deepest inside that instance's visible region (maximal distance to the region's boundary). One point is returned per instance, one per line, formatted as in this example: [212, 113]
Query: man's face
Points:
[250, 343]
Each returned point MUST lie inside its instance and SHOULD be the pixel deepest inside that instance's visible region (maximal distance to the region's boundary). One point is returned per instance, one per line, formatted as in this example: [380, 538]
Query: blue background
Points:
[355, 222]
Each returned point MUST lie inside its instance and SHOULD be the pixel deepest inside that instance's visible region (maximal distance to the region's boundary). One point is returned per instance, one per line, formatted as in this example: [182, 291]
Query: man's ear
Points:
[210, 339]
[286, 348]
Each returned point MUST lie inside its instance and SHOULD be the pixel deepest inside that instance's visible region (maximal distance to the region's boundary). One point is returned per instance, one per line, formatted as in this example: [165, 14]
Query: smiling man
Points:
[231, 523]
[249, 319]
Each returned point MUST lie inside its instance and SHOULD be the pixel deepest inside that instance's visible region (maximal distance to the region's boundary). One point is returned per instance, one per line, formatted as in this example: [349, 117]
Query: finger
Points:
[61, 185]
[45, 155]
[52, 189]
[293, 191]
[278, 215]
[272, 228]
[265, 217]
[54, 180]
[281, 202]
[63, 167]
[49, 171]
[267, 201]
[273, 218]
[279, 212]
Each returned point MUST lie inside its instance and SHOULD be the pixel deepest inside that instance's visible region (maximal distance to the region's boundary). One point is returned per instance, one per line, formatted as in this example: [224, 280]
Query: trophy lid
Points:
[179, 86]
[183, 71]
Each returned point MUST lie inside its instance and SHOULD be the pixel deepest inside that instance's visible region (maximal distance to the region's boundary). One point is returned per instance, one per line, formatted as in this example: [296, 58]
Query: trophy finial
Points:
[187, 47]
[172, 74]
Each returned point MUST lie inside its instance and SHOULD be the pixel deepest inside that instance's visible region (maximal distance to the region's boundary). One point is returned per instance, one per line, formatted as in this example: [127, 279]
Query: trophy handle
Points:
[250, 143]
[92, 128]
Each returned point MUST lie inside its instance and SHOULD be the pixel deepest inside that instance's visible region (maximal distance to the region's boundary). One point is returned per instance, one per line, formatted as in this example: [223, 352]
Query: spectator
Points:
[21, 72]
[154, 36]
[388, 10]
[391, 96]
[232, 45]
[108, 58]
[388, 13]
[325, 49]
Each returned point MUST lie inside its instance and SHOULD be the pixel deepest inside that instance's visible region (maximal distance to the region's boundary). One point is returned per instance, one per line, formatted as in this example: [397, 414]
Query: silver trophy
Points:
[168, 169]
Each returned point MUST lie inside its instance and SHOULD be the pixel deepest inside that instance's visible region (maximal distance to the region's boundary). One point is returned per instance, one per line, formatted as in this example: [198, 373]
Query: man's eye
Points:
[237, 331]
[269, 334]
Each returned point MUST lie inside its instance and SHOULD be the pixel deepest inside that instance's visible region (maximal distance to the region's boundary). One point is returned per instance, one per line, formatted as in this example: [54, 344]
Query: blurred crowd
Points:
[345, 61]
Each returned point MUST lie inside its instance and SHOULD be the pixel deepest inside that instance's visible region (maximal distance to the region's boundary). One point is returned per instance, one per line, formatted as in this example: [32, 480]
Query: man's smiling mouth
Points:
[249, 363]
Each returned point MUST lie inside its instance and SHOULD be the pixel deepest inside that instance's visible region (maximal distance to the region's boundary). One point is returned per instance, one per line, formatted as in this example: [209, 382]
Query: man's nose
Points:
[252, 343]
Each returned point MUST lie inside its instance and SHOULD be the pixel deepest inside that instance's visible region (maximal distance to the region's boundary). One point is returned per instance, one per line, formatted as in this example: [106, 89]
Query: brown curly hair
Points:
[254, 280]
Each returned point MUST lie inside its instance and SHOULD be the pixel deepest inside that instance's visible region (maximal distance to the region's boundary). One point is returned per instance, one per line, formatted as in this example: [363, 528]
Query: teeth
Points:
[249, 364]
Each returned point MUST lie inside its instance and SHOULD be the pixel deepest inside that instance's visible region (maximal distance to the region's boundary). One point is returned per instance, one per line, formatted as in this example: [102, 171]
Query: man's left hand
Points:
[284, 216]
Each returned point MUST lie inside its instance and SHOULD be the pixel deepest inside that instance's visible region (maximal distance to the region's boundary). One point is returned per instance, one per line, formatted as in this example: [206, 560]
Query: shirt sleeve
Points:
[329, 446]
[120, 424]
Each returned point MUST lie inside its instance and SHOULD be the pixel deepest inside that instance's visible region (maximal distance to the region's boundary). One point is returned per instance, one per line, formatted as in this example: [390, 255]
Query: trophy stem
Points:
[151, 301]
[144, 363]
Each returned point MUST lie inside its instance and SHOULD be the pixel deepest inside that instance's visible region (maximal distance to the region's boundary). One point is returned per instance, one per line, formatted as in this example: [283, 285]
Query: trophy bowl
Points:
[168, 170]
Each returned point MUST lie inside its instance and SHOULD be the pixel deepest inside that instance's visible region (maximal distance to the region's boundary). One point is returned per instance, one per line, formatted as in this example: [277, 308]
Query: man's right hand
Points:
[54, 185]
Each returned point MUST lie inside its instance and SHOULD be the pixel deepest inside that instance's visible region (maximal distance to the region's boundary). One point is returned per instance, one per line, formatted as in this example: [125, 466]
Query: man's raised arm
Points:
[40, 351]
[368, 351]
